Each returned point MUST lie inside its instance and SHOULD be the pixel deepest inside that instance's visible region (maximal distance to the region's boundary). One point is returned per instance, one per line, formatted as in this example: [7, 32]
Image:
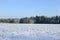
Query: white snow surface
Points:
[8, 31]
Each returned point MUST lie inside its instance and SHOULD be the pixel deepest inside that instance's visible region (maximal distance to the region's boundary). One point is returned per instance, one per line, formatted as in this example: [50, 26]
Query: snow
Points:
[29, 31]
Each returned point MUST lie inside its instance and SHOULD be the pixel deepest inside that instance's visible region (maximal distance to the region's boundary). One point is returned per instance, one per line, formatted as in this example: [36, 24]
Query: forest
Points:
[33, 20]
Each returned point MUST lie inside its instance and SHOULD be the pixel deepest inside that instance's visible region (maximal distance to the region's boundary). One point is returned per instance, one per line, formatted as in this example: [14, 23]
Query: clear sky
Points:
[27, 8]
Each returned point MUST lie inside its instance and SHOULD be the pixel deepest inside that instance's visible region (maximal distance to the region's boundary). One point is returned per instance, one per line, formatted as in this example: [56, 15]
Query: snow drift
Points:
[29, 31]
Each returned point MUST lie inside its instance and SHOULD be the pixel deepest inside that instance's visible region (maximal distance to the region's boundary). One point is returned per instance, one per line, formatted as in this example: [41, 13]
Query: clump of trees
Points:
[36, 19]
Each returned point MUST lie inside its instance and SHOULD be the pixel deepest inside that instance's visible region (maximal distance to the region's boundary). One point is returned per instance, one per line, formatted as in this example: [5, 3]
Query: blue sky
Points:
[27, 8]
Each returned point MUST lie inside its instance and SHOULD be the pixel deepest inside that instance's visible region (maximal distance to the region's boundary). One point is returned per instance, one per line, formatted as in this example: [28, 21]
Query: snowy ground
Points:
[29, 31]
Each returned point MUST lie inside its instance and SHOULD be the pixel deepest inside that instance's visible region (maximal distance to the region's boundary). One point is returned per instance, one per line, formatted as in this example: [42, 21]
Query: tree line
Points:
[34, 20]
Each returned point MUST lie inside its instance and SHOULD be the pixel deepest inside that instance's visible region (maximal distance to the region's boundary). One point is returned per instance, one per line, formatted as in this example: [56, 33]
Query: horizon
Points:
[28, 8]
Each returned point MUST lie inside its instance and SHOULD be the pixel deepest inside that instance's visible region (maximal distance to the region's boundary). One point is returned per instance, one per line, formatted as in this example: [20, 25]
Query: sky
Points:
[28, 8]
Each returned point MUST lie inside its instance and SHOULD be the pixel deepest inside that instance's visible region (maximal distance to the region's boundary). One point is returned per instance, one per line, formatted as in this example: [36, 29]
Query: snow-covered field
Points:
[29, 31]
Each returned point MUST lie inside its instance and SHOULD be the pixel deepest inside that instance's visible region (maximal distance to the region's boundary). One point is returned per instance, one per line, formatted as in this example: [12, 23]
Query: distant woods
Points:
[33, 20]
